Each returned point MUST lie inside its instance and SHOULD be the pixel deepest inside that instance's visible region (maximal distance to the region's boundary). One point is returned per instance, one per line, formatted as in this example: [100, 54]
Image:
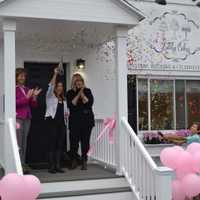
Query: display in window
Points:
[143, 104]
[193, 101]
[161, 105]
[180, 104]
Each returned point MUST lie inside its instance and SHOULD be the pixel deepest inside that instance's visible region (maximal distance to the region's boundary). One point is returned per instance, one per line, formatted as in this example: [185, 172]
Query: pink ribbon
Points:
[17, 125]
[109, 125]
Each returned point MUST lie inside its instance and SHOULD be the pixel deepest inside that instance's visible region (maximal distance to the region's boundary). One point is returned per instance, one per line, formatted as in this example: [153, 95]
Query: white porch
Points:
[42, 31]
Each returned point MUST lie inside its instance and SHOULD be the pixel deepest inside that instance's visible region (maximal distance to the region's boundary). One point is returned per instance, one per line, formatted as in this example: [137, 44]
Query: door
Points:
[39, 75]
[132, 102]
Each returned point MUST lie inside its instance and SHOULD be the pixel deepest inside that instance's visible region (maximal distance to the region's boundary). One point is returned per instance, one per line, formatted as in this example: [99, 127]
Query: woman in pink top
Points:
[25, 99]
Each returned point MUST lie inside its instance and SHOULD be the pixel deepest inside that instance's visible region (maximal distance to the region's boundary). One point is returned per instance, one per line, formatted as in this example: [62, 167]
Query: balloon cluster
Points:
[186, 164]
[16, 187]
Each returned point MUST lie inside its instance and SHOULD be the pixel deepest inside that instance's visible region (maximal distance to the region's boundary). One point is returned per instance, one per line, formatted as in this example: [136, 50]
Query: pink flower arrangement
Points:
[154, 138]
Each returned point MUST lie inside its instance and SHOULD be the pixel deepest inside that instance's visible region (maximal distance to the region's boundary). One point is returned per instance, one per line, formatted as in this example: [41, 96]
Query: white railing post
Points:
[13, 162]
[121, 81]
[146, 179]
[163, 183]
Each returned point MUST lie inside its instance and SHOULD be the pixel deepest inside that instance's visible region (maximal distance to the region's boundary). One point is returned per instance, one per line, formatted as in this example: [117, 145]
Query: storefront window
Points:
[162, 99]
[161, 104]
[143, 104]
[193, 101]
[180, 104]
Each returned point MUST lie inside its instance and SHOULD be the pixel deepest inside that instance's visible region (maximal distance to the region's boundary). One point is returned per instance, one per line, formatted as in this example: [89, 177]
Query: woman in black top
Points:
[81, 119]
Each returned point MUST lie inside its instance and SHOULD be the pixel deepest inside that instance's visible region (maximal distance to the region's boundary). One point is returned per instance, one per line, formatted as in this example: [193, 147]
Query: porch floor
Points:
[94, 171]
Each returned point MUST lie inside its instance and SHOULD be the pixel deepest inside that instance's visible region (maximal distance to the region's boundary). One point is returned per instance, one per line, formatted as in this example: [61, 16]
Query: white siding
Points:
[150, 35]
[106, 11]
[99, 75]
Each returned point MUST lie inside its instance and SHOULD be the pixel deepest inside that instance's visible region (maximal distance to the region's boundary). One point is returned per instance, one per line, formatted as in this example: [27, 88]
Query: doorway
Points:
[132, 102]
[39, 75]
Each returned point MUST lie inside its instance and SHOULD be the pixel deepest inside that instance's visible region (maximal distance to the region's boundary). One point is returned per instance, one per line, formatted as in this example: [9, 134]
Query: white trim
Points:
[133, 9]
[173, 77]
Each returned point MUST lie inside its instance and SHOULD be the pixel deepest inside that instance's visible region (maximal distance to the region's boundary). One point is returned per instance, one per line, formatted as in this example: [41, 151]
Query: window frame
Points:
[170, 78]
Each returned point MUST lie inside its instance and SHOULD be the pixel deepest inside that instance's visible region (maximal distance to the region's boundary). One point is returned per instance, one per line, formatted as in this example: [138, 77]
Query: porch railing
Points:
[103, 151]
[11, 161]
[147, 180]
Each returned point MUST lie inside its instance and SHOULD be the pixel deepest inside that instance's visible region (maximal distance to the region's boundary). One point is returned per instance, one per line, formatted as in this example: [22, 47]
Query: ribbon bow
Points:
[109, 125]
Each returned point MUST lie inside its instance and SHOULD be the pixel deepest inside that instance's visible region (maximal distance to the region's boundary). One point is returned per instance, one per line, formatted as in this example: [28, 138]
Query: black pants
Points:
[80, 133]
[57, 131]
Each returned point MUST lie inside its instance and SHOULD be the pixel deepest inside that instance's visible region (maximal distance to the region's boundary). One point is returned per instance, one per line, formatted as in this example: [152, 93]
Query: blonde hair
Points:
[73, 81]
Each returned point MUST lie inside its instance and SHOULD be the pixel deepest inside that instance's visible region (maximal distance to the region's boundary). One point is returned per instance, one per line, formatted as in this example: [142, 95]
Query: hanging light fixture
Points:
[161, 2]
[80, 63]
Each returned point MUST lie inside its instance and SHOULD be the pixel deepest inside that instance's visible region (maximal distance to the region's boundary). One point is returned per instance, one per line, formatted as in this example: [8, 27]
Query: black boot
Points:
[84, 165]
[52, 168]
[58, 165]
[74, 164]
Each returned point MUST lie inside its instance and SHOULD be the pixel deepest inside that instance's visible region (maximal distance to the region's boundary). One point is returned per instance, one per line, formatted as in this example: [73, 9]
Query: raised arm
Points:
[53, 80]
[52, 84]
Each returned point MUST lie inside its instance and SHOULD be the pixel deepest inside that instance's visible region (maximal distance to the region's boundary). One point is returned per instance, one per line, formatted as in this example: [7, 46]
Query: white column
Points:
[9, 28]
[11, 155]
[163, 183]
[122, 99]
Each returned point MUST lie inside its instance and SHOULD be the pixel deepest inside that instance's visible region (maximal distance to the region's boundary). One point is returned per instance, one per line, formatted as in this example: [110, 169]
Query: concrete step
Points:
[87, 189]
[107, 196]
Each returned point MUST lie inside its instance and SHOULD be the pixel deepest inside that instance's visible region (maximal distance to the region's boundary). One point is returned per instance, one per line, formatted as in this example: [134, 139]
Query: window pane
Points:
[180, 104]
[143, 104]
[193, 101]
[161, 104]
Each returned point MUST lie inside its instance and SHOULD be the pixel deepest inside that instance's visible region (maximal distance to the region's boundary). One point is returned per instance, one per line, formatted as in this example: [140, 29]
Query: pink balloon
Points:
[12, 187]
[184, 162]
[168, 157]
[191, 185]
[33, 187]
[178, 149]
[193, 148]
[180, 174]
[177, 190]
[196, 162]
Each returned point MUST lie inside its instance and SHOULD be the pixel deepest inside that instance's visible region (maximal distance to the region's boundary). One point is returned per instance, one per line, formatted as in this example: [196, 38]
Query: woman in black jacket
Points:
[81, 119]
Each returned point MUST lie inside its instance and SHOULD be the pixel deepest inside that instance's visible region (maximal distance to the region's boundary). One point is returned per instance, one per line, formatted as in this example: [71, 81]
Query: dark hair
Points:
[19, 71]
[198, 125]
[62, 95]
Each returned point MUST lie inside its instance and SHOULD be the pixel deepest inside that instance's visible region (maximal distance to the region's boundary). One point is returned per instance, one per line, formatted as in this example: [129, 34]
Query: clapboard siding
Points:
[106, 11]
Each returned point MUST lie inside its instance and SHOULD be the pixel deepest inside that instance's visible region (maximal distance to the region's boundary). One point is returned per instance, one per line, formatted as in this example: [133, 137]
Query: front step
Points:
[115, 188]
[108, 196]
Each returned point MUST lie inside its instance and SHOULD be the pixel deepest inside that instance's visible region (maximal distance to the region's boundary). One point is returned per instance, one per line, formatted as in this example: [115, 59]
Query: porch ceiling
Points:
[55, 31]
